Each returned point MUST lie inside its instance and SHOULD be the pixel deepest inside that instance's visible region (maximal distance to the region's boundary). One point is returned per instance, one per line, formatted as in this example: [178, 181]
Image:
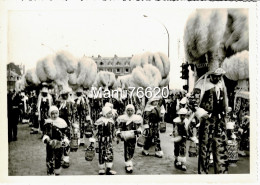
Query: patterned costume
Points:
[180, 138]
[66, 109]
[241, 110]
[212, 98]
[130, 124]
[192, 137]
[55, 137]
[151, 123]
[96, 108]
[82, 115]
[43, 105]
[105, 135]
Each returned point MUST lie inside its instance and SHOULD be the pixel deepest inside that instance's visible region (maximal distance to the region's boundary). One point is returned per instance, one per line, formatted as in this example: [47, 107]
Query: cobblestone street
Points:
[27, 158]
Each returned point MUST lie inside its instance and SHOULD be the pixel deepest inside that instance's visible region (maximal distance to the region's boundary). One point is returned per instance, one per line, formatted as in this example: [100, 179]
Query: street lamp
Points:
[167, 34]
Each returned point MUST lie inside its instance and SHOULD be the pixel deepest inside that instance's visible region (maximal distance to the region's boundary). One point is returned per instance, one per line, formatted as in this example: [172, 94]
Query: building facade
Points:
[118, 65]
[13, 74]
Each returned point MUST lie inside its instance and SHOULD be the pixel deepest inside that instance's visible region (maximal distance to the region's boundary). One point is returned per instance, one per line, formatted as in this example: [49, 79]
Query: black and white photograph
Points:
[144, 89]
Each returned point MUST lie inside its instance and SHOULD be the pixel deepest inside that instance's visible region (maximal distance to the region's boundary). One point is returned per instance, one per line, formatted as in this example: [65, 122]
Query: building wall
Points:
[13, 74]
[118, 65]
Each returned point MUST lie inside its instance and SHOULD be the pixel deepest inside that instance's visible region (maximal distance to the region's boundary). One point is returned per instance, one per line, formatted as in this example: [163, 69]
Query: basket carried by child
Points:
[142, 139]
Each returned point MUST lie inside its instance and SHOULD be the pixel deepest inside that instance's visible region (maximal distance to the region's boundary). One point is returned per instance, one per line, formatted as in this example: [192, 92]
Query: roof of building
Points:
[11, 66]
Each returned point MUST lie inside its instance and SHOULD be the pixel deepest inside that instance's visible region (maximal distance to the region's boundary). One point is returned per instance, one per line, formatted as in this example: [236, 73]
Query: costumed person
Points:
[192, 138]
[91, 103]
[243, 136]
[43, 105]
[56, 133]
[66, 110]
[24, 107]
[180, 138]
[170, 109]
[232, 146]
[105, 135]
[82, 115]
[96, 106]
[183, 104]
[118, 102]
[152, 118]
[129, 126]
[33, 108]
[210, 105]
[114, 111]
[241, 111]
[193, 128]
[138, 102]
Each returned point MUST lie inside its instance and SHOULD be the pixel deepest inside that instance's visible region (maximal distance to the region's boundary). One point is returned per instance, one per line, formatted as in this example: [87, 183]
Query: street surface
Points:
[27, 158]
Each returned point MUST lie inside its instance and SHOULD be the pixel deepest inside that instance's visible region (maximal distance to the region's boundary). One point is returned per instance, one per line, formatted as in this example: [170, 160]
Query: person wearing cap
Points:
[105, 135]
[44, 103]
[152, 118]
[180, 138]
[67, 111]
[129, 126]
[56, 133]
[82, 113]
[211, 104]
[114, 111]
[183, 103]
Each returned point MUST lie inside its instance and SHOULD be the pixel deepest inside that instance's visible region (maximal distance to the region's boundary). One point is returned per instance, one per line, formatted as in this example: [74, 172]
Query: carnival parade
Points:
[81, 120]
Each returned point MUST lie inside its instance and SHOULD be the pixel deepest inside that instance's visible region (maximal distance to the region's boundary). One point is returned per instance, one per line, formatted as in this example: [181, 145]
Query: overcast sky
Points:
[96, 31]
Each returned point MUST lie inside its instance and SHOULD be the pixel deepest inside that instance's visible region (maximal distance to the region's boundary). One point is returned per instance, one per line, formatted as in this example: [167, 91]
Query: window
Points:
[127, 70]
[117, 70]
[118, 63]
[101, 63]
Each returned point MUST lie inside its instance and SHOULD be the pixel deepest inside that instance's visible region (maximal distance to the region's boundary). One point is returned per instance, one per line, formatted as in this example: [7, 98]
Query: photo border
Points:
[125, 179]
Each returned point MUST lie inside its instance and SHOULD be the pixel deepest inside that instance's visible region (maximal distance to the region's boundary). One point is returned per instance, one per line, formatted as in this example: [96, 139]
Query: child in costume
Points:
[55, 137]
[82, 115]
[129, 125]
[105, 135]
[43, 104]
[67, 111]
[152, 118]
[114, 111]
[180, 138]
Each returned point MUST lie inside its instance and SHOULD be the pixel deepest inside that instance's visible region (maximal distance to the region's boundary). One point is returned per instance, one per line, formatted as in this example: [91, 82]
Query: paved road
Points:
[27, 158]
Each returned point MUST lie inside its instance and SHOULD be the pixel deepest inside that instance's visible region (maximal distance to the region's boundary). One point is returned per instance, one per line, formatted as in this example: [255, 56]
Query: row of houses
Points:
[118, 65]
[14, 73]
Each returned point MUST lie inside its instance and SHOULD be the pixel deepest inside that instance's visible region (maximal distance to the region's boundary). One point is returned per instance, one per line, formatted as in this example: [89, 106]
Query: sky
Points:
[97, 31]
